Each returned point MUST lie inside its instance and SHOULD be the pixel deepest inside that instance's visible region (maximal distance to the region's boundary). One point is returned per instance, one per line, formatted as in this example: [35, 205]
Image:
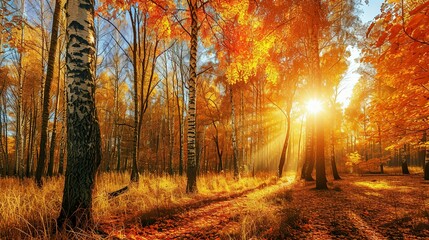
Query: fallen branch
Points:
[117, 192]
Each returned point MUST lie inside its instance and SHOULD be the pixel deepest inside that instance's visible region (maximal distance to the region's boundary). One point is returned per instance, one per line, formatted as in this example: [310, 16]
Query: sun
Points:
[314, 106]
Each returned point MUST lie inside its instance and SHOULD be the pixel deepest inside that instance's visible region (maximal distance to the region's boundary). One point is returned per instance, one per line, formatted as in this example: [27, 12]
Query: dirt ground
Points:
[357, 207]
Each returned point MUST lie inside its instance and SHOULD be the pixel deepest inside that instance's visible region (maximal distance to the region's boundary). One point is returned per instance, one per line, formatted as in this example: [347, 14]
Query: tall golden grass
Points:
[28, 212]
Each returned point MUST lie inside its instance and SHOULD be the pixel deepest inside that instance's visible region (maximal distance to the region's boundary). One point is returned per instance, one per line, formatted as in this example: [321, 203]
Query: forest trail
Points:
[359, 207]
[206, 219]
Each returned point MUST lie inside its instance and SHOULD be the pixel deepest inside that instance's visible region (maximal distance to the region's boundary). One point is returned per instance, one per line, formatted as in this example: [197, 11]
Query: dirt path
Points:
[201, 220]
[359, 207]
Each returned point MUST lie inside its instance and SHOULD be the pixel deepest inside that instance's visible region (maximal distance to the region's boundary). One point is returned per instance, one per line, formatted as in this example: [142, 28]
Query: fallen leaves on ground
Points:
[358, 207]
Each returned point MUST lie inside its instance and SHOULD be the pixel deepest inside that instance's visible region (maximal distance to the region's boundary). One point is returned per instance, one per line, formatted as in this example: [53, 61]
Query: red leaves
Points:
[394, 30]
[381, 39]
[420, 8]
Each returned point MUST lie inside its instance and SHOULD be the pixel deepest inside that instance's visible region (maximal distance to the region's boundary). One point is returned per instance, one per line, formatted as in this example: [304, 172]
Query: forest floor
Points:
[357, 207]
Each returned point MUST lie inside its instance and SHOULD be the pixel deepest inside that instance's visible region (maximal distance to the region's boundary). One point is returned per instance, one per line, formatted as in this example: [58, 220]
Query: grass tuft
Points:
[27, 212]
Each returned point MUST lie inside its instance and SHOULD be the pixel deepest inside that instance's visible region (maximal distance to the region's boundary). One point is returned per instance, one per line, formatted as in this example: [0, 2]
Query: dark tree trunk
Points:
[426, 166]
[192, 167]
[334, 168]
[285, 147]
[32, 132]
[310, 150]
[46, 90]
[136, 136]
[50, 172]
[320, 155]
[405, 160]
[333, 163]
[314, 30]
[83, 138]
[219, 167]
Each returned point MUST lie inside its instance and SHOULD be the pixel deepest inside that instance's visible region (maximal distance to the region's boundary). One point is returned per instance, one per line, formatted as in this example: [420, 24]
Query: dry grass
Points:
[28, 212]
[262, 217]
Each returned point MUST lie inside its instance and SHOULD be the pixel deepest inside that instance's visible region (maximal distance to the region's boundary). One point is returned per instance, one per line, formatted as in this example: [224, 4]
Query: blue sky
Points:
[368, 12]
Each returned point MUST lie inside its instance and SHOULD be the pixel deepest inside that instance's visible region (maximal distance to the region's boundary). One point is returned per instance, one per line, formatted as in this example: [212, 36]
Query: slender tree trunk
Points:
[309, 151]
[18, 140]
[380, 148]
[333, 163]
[115, 127]
[170, 123]
[285, 147]
[46, 95]
[6, 144]
[233, 135]
[321, 182]
[134, 169]
[50, 172]
[181, 135]
[83, 138]
[218, 150]
[426, 166]
[426, 157]
[192, 166]
[299, 147]
[3, 153]
[28, 153]
[405, 160]
[32, 133]
[3, 131]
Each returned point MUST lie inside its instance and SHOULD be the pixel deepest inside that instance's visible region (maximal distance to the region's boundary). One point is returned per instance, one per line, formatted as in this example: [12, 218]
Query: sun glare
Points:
[314, 106]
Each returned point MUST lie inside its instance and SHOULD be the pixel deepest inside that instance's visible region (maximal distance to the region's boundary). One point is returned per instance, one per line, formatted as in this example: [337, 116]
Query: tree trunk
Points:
[192, 167]
[321, 182]
[219, 167]
[233, 136]
[18, 133]
[136, 136]
[299, 149]
[46, 90]
[50, 172]
[170, 124]
[117, 147]
[309, 151]
[32, 134]
[285, 147]
[83, 138]
[181, 115]
[318, 89]
[423, 156]
[6, 144]
[3, 152]
[333, 163]
[405, 159]
[380, 148]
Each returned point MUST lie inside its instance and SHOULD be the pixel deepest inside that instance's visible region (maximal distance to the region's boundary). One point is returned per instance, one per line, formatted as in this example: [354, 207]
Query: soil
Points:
[357, 207]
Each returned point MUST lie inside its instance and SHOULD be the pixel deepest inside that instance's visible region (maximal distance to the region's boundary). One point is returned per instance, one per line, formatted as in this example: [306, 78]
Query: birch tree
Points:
[83, 138]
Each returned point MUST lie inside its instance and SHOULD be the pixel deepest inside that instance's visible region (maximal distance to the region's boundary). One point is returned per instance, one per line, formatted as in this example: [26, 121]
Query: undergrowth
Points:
[28, 212]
